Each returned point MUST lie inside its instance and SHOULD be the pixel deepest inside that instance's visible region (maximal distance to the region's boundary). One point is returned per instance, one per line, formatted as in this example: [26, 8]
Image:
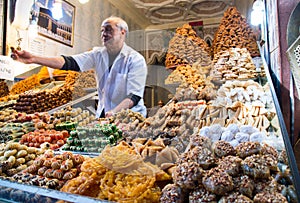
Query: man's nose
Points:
[103, 34]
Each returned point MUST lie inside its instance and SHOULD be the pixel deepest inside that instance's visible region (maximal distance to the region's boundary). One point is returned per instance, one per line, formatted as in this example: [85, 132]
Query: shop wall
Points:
[88, 18]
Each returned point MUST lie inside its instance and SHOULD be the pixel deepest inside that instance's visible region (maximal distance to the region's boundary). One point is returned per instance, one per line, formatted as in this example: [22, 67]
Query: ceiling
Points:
[151, 13]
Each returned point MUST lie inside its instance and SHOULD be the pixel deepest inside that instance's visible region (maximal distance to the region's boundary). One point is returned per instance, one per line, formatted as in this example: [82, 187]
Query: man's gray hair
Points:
[120, 23]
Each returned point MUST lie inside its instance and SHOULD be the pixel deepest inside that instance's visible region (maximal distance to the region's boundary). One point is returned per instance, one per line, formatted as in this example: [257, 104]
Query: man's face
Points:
[111, 35]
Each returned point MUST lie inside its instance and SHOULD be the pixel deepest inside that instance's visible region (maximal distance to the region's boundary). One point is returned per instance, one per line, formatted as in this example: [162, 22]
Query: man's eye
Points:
[109, 30]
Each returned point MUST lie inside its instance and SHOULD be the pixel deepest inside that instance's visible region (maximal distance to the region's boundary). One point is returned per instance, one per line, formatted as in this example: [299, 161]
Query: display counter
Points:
[277, 136]
[219, 122]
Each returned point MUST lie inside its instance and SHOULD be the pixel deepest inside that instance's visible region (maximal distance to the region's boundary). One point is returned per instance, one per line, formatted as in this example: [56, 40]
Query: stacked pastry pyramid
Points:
[234, 32]
[187, 48]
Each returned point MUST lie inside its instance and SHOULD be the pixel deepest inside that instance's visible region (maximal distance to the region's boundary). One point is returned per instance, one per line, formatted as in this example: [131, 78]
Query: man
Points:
[121, 71]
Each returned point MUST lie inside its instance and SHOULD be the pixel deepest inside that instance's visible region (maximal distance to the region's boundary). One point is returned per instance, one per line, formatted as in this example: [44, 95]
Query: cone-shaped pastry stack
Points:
[234, 32]
[187, 48]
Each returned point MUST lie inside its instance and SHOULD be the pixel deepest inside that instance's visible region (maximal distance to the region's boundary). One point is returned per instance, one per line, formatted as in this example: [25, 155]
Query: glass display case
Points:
[17, 192]
[285, 136]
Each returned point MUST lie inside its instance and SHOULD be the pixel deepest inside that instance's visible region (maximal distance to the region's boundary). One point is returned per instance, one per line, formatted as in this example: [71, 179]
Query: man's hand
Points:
[28, 58]
[22, 56]
[109, 114]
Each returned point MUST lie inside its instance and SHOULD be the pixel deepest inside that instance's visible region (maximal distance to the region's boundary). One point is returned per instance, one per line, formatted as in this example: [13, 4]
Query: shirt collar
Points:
[124, 50]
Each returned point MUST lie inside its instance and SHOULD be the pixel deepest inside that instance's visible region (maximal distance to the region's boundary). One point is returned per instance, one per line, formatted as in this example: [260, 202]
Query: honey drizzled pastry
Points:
[67, 155]
[78, 159]
[56, 164]
[32, 169]
[42, 170]
[48, 162]
[70, 174]
[58, 173]
[139, 188]
[67, 165]
[194, 84]
[48, 173]
[53, 183]
[87, 183]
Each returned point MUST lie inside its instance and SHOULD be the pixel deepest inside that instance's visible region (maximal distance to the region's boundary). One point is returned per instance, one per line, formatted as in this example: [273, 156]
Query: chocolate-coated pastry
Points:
[172, 193]
[265, 197]
[187, 175]
[230, 164]
[223, 148]
[200, 194]
[217, 181]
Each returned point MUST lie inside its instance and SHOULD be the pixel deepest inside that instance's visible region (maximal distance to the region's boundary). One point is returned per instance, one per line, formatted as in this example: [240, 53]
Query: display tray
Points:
[17, 192]
[89, 154]
[60, 77]
[46, 80]
[51, 85]
[174, 66]
[54, 78]
[90, 89]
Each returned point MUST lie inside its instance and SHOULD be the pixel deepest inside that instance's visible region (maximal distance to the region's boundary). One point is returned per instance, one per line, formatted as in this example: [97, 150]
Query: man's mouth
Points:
[106, 39]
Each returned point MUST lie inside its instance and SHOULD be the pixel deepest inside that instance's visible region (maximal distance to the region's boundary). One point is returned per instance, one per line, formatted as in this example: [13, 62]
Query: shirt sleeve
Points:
[86, 60]
[70, 64]
[134, 98]
[137, 75]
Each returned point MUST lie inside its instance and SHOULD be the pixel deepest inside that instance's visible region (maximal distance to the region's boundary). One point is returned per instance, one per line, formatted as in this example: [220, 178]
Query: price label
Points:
[6, 68]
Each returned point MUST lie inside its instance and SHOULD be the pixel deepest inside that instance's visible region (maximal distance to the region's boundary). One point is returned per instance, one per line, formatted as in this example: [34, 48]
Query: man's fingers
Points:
[13, 56]
[13, 51]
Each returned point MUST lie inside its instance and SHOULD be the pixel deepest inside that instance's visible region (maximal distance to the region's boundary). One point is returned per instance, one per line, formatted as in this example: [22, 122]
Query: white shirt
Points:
[127, 76]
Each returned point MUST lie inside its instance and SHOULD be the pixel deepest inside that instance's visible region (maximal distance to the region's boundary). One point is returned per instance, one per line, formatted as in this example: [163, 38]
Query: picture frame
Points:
[60, 30]
[3, 25]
